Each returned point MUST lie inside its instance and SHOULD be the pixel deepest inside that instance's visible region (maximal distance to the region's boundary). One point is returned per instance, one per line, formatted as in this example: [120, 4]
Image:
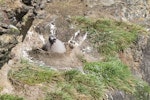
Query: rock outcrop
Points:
[15, 21]
[145, 65]
[8, 38]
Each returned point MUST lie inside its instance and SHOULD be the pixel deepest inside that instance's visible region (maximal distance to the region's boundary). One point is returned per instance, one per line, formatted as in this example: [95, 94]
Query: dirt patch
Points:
[58, 60]
[72, 58]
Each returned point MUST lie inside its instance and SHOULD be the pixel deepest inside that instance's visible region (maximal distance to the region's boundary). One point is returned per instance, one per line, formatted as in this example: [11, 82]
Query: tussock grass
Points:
[77, 85]
[70, 85]
[31, 75]
[109, 36]
[73, 85]
[142, 90]
[114, 74]
[58, 95]
[87, 84]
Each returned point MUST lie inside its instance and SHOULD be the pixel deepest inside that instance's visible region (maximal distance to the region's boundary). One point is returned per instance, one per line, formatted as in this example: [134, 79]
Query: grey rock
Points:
[145, 66]
[7, 42]
[120, 95]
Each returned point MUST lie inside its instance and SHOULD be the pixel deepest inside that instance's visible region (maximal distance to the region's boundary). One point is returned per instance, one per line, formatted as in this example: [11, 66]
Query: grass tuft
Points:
[114, 74]
[86, 84]
[32, 75]
[77, 85]
[109, 36]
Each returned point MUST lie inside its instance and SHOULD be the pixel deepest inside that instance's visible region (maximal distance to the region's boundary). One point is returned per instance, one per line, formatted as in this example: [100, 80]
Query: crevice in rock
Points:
[27, 2]
[26, 27]
[20, 18]
[24, 18]
[145, 66]
[19, 14]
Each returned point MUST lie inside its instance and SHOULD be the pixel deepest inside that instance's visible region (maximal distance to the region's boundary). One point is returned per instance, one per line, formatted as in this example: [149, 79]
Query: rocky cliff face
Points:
[145, 63]
[8, 38]
[23, 27]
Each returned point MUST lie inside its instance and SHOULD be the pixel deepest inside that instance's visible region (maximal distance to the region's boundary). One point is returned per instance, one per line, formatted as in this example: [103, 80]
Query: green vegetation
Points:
[9, 97]
[116, 75]
[109, 36]
[113, 74]
[32, 75]
[1, 88]
[72, 84]
[142, 91]
[58, 95]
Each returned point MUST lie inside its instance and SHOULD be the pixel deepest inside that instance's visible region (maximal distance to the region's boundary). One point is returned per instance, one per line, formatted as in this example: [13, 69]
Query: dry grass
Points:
[64, 8]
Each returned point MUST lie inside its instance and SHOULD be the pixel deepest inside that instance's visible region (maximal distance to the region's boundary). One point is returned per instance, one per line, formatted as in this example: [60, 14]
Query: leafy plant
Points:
[77, 85]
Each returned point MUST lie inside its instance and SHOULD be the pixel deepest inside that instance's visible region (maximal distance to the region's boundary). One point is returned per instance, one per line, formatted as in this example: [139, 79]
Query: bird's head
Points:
[52, 39]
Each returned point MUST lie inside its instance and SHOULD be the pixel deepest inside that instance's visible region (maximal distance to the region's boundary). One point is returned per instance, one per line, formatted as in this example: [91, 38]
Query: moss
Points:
[72, 84]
